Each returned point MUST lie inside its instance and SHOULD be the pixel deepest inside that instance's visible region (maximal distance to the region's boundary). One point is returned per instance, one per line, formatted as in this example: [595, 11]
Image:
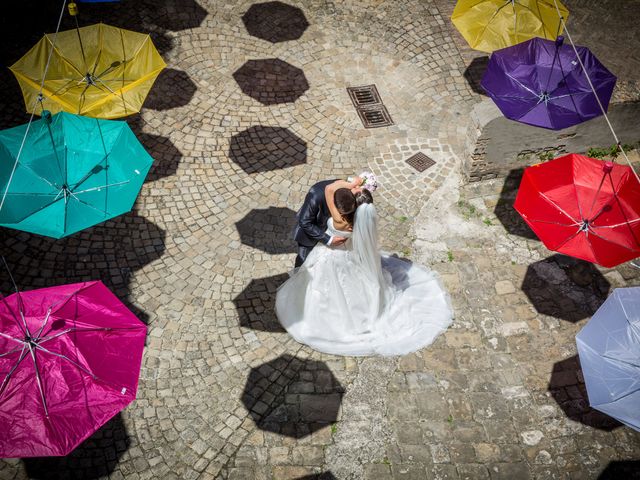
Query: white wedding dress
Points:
[351, 300]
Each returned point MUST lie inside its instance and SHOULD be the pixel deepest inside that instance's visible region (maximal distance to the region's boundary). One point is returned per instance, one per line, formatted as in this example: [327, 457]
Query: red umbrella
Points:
[69, 361]
[583, 207]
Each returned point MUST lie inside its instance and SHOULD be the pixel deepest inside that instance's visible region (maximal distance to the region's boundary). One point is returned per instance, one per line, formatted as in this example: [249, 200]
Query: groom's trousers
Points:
[303, 251]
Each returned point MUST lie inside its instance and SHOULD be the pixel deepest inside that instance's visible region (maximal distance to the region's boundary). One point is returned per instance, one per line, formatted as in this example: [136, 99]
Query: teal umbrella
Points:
[68, 173]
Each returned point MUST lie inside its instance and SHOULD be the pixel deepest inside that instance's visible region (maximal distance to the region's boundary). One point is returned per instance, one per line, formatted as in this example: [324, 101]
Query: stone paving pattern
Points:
[224, 392]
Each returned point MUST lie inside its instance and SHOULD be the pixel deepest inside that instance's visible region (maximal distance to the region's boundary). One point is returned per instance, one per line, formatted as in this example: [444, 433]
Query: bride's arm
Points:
[330, 190]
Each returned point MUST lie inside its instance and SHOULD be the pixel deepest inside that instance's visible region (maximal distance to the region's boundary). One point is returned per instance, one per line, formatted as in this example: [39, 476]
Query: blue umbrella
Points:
[65, 173]
[609, 348]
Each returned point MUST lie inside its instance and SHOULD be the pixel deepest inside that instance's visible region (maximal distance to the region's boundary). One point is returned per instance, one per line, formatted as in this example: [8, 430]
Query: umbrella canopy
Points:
[489, 25]
[583, 207]
[97, 71]
[541, 83]
[609, 349]
[69, 361]
[74, 172]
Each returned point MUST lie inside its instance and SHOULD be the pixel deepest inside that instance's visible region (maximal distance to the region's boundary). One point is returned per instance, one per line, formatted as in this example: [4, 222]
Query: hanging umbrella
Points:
[98, 71]
[584, 208]
[609, 349]
[69, 361]
[541, 83]
[489, 25]
[73, 172]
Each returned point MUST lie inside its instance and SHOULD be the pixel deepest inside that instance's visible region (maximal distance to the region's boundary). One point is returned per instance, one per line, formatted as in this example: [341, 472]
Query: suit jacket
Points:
[313, 217]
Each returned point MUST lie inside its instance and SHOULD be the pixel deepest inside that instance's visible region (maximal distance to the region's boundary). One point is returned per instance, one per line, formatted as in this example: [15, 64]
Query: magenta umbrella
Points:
[69, 361]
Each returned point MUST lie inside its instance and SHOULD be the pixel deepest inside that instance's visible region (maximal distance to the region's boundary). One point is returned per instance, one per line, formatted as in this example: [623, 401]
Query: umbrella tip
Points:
[46, 116]
[559, 40]
[607, 167]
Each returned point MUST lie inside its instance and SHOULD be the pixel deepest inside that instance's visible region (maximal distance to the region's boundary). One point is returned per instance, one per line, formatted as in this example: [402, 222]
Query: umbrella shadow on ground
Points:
[567, 388]
[173, 88]
[173, 15]
[12, 105]
[504, 211]
[318, 476]
[565, 288]
[269, 230]
[624, 469]
[96, 457]
[474, 72]
[271, 81]
[275, 21]
[256, 304]
[264, 149]
[293, 397]
[166, 156]
[110, 252]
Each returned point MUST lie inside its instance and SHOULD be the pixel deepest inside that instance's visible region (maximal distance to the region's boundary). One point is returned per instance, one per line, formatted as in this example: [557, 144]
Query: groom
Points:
[314, 214]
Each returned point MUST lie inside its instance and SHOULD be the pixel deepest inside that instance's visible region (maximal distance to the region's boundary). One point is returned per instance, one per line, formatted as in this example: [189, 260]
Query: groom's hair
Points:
[345, 202]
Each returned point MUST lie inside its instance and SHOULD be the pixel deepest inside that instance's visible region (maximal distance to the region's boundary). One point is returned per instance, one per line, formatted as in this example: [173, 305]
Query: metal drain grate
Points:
[366, 95]
[375, 116]
[369, 106]
[420, 162]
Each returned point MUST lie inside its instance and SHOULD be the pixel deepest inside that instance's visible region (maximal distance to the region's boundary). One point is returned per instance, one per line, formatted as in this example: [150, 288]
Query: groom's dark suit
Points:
[312, 221]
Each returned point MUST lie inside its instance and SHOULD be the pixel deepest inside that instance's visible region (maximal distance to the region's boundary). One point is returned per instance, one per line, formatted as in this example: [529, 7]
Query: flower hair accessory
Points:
[369, 181]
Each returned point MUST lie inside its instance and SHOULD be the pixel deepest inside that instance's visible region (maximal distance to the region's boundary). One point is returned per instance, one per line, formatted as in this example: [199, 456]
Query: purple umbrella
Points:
[540, 82]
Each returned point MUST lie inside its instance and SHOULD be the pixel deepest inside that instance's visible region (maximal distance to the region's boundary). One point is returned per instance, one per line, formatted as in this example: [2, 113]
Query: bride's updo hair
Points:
[363, 196]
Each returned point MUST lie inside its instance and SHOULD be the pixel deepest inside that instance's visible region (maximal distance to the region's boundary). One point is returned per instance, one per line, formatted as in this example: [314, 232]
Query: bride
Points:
[353, 300]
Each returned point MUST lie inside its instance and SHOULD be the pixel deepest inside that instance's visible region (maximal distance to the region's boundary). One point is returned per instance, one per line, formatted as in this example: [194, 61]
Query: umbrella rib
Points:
[615, 225]
[13, 314]
[513, 96]
[554, 223]
[11, 351]
[32, 194]
[104, 212]
[124, 182]
[9, 337]
[59, 91]
[75, 329]
[44, 323]
[571, 237]
[575, 107]
[615, 195]
[559, 208]
[38, 379]
[64, 59]
[44, 206]
[23, 355]
[522, 84]
[121, 95]
[60, 355]
[611, 241]
[617, 360]
[63, 301]
[38, 175]
[493, 16]
[88, 174]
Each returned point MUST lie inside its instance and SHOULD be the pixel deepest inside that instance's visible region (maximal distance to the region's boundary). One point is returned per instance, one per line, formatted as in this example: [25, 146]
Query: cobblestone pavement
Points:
[251, 112]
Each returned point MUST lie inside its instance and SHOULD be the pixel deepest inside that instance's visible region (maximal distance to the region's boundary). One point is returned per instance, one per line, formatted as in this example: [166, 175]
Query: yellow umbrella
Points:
[98, 71]
[490, 25]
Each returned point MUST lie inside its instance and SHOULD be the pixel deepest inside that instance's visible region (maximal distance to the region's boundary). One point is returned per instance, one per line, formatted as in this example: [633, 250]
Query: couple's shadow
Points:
[256, 303]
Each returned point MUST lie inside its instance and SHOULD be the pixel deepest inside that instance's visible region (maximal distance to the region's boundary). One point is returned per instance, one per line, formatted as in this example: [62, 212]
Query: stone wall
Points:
[504, 144]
